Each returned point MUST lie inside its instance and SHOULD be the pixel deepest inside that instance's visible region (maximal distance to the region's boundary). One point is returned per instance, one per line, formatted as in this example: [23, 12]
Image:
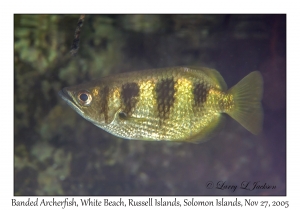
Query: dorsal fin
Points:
[213, 74]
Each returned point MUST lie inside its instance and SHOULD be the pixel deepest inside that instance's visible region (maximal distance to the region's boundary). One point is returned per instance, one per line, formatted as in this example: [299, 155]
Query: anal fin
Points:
[211, 130]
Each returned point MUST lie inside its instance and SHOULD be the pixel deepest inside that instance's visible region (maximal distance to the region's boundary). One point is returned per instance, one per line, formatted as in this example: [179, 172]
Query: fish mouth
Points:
[66, 96]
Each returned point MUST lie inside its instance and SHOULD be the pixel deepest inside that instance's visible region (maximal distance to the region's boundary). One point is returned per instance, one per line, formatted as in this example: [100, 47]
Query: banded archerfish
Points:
[173, 104]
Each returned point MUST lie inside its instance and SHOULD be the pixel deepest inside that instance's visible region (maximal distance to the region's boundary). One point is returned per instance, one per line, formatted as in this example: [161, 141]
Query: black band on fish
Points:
[165, 91]
[129, 94]
[200, 93]
[104, 95]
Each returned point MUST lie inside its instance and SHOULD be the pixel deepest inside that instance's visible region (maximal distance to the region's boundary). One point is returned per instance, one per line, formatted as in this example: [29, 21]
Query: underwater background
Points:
[57, 152]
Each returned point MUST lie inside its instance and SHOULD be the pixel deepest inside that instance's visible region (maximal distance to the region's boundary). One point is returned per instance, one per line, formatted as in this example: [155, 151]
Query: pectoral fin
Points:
[124, 116]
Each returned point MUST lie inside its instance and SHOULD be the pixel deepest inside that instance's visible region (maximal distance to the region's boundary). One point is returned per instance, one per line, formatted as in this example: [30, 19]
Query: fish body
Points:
[174, 104]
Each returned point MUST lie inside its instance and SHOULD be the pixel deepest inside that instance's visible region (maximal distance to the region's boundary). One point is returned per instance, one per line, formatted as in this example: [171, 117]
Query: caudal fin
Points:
[247, 95]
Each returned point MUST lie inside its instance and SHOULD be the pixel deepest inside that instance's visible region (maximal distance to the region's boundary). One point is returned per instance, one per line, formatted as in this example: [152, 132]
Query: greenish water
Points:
[57, 152]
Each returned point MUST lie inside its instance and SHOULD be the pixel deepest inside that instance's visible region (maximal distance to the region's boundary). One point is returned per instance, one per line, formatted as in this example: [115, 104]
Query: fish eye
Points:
[84, 98]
